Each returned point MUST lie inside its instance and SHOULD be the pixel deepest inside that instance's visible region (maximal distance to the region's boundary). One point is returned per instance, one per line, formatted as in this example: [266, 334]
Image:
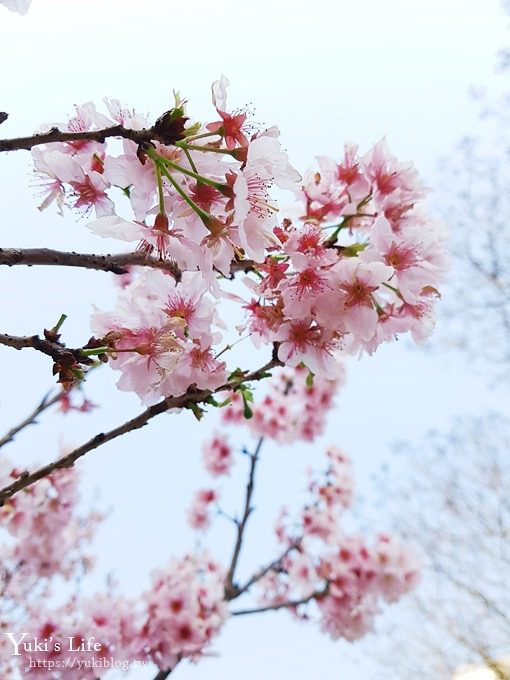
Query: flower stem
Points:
[160, 189]
[160, 161]
[59, 323]
[190, 160]
[204, 215]
[201, 136]
[232, 345]
[392, 288]
[93, 351]
[197, 147]
[200, 178]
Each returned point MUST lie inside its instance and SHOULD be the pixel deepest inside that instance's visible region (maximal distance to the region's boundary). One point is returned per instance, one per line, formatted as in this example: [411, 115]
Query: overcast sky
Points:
[327, 73]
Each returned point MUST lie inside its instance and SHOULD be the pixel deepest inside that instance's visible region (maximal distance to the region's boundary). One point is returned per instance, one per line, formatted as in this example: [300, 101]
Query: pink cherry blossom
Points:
[217, 456]
[358, 282]
[198, 513]
[231, 125]
[49, 534]
[344, 575]
[293, 409]
[355, 263]
[304, 342]
[162, 336]
[185, 610]
[389, 175]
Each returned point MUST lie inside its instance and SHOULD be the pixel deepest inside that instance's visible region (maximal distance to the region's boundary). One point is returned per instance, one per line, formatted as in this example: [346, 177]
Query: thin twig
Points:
[162, 675]
[242, 266]
[272, 566]
[45, 403]
[231, 590]
[117, 264]
[190, 398]
[69, 459]
[317, 594]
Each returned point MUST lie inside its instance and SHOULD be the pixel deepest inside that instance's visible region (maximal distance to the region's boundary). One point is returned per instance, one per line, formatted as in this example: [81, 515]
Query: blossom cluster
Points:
[319, 567]
[345, 575]
[53, 645]
[163, 336]
[44, 538]
[185, 610]
[199, 513]
[373, 277]
[175, 619]
[217, 458]
[353, 262]
[44, 533]
[294, 407]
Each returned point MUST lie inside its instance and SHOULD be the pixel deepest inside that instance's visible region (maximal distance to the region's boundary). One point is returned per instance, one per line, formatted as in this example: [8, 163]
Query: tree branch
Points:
[489, 605]
[242, 266]
[117, 264]
[272, 566]
[231, 590]
[45, 403]
[55, 135]
[317, 594]
[69, 364]
[54, 350]
[163, 675]
[187, 400]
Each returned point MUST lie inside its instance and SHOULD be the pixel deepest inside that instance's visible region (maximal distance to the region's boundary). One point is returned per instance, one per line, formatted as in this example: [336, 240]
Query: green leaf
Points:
[353, 250]
[192, 130]
[218, 404]
[237, 374]
[247, 393]
[247, 412]
[195, 408]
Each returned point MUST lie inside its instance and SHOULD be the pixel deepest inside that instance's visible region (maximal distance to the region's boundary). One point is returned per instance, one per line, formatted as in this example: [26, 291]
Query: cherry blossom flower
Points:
[358, 282]
[389, 175]
[231, 125]
[198, 514]
[303, 342]
[217, 456]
